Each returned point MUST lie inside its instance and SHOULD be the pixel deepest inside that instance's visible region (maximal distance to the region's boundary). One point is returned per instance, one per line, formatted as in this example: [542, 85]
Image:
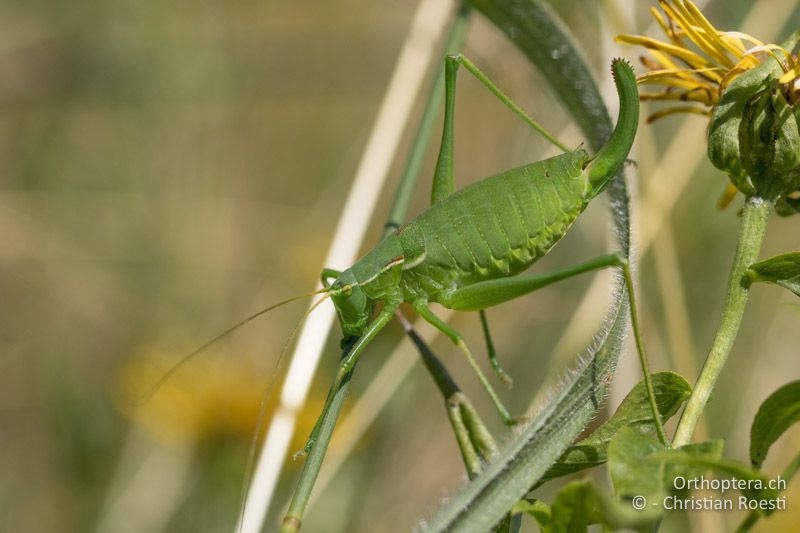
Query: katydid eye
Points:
[347, 290]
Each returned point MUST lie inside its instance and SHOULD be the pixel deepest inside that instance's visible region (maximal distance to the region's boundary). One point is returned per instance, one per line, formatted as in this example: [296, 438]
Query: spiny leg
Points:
[424, 311]
[347, 363]
[493, 292]
[443, 178]
[505, 378]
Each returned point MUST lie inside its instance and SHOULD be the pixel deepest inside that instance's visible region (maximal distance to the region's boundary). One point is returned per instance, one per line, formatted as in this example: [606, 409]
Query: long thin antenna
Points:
[188, 357]
[430, 21]
[262, 411]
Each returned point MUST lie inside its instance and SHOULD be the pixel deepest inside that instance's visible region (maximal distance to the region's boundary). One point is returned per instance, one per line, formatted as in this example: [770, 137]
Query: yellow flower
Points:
[699, 62]
[206, 400]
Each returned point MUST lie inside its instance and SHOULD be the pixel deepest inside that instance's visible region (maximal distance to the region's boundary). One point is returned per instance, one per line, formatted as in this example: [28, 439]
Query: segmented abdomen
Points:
[496, 227]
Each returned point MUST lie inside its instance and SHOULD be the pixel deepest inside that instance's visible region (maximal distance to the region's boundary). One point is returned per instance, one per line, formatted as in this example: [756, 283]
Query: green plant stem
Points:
[751, 235]
[308, 476]
[648, 379]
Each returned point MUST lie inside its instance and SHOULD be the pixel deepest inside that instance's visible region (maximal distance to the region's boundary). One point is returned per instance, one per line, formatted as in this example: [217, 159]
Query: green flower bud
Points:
[770, 144]
[753, 136]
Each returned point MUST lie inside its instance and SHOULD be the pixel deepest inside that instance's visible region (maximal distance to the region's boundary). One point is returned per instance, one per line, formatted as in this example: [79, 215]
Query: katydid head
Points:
[353, 307]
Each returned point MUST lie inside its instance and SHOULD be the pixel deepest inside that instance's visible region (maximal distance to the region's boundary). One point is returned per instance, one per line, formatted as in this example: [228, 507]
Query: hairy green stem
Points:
[751, 235]
[308, 476]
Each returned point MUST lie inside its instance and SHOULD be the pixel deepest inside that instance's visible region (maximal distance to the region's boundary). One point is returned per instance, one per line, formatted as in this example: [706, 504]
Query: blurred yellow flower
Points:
[699, 62]
[208, 399]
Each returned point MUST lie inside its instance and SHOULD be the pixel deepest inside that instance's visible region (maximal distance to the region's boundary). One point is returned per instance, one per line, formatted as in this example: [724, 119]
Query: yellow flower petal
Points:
[790, 75]
[693, 59]
[706, 40]
[727, 196]
[661, 22]
[677, 109]
[710, 30]
[672, 72]
[700, 61]
[702, 97]
[734, 37]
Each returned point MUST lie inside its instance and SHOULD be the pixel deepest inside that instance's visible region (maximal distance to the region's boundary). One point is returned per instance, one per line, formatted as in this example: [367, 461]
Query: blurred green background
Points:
[168, 167]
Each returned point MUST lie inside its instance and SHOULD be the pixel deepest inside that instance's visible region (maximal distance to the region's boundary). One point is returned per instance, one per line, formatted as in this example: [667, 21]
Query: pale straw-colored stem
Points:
[406, 82]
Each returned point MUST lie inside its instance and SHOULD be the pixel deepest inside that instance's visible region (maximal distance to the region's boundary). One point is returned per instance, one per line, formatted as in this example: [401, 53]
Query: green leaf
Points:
[756, 489]
[486, 499]
[580, 504]
[783, 270]
[711, 449]
[621, 514]
[631, 473]
[573, 509]
[643, 473]
[641, 466]
[539, 510]
[778, 412]
[671, 392]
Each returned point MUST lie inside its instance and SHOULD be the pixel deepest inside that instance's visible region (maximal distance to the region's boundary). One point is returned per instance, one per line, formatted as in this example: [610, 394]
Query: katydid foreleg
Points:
[349, 361]
[328, 273]
[422, 309]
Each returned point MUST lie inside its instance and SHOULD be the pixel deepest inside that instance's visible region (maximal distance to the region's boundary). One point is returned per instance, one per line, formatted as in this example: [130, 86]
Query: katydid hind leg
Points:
[460, 59]
[444, 176]
[490, 349]
[493, 292]
[496, 291]
[425, 312]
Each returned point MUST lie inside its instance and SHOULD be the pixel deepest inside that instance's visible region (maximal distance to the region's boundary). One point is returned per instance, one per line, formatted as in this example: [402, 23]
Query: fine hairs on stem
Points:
[751, 235]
